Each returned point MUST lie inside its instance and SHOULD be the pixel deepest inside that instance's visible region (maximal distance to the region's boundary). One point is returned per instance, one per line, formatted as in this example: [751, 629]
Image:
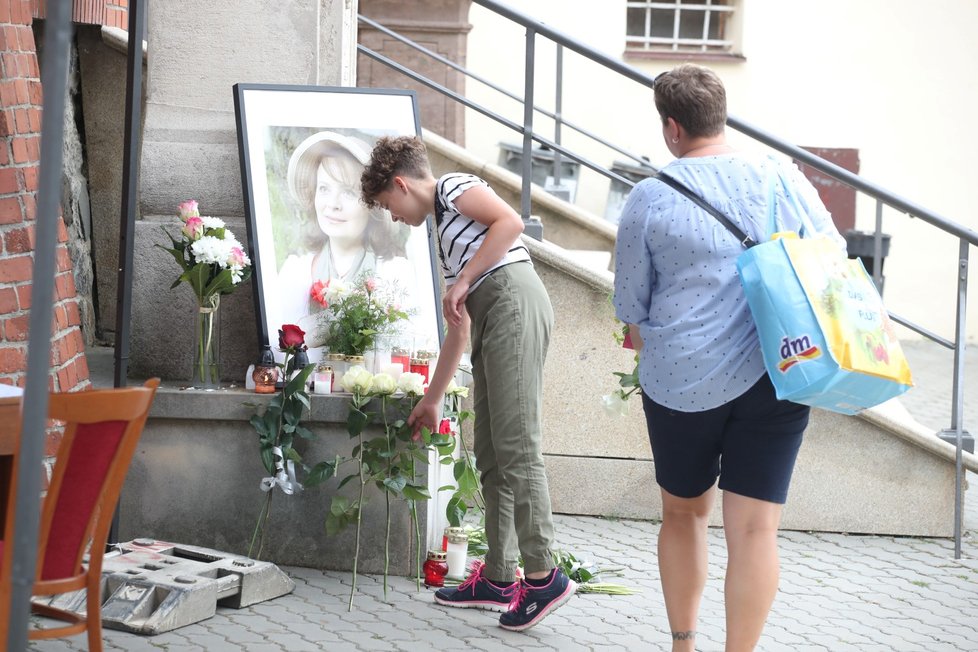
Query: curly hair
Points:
[391, 157]
[694, 97]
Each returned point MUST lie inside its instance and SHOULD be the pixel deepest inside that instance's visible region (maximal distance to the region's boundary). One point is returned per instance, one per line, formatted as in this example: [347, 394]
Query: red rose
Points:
[445, 427]
[318, 293]
[291, 338]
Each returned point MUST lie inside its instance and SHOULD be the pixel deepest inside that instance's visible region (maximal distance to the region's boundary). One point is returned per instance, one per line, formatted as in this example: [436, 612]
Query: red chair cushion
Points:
[91, 455]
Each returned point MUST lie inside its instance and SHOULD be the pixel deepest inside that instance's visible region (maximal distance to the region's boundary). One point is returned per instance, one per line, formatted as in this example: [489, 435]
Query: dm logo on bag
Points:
[794, 351]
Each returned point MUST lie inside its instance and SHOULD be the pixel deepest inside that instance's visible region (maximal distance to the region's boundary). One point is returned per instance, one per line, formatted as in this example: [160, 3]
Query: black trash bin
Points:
[862, 245]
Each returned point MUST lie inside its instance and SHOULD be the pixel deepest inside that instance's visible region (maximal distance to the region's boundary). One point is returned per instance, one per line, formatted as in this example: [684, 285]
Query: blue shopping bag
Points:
[826, 338]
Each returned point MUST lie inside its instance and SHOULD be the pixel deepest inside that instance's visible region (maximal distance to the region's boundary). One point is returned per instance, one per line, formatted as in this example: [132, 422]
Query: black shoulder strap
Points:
[744, 239]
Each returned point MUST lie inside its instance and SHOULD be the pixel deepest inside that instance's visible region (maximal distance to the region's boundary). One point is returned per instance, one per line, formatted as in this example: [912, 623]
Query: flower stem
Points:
[363, 483]
[266, 511]
[417, 544]
[387, 496]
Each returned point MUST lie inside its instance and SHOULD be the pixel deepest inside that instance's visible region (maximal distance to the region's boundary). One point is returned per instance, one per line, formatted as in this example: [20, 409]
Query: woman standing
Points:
[710, 407]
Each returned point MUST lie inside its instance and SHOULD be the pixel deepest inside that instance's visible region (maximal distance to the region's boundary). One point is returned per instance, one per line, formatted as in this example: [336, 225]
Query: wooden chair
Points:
[102, 428]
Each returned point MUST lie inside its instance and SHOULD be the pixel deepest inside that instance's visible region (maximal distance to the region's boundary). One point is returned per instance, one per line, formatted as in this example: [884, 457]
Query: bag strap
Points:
[744, 239]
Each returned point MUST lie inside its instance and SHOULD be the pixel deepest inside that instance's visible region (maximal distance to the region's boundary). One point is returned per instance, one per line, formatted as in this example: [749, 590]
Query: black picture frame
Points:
[281, 129]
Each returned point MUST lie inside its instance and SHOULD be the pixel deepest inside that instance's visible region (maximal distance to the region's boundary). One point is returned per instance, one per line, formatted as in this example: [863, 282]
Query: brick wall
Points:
[20, 130]
[113, 13]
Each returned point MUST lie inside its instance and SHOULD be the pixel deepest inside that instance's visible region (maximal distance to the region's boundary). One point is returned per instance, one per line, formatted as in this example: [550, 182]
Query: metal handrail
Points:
[882, 196]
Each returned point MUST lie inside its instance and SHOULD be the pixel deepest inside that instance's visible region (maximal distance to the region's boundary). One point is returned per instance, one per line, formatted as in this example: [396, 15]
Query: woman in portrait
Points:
[343, 239]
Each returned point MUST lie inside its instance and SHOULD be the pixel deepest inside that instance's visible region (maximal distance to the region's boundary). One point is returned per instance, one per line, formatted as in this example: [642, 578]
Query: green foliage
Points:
[354, 318]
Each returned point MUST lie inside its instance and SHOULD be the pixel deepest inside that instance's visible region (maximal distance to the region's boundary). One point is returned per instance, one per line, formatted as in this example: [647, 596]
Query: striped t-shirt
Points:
[459, 237]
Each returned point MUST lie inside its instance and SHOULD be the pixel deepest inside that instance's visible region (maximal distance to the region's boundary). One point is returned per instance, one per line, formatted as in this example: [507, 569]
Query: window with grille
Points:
[680, 26]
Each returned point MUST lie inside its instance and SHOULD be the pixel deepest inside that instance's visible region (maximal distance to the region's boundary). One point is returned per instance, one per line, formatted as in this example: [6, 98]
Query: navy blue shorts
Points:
[751, 443]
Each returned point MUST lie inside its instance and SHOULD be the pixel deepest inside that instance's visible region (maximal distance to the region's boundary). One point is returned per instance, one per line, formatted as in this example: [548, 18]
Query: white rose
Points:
[411, 383]
[357, 379]
[336, 290]
[456, 390]
[383, 385]
[614, 404]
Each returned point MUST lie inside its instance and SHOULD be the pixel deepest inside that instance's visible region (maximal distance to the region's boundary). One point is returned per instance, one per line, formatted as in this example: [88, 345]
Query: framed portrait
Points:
[302, 151]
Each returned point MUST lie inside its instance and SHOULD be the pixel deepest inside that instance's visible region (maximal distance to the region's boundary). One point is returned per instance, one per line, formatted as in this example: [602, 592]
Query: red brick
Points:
[24, 293]
[21, 122]
[29, 201]
[4, 153]
[4, 12]
[10, 211]
[24, 38]
[74, 313]
[30, 178]
[62, 231]
[34, 120]
[17, 268]
[60, 318]
[9, 181]
[5, 124]
[64, 260]
[8, 301]
[13, 359]
[81, 367]
[35, 93]
[63, 385]
[20, 88]
[34, 148]
[8, 94]
[20, 151]
[33, 66]
[15, 329]
[72, 375]
[21, 241]
[65, 285]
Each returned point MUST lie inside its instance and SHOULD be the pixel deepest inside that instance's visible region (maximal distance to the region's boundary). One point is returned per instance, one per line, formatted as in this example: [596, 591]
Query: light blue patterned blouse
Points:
[676, 275]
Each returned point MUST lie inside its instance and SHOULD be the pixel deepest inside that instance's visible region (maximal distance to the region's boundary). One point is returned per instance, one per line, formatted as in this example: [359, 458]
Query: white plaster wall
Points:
[892, 78]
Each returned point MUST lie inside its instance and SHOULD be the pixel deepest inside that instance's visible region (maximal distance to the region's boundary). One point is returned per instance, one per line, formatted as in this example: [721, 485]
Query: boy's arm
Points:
[428, 410]
[485, 207]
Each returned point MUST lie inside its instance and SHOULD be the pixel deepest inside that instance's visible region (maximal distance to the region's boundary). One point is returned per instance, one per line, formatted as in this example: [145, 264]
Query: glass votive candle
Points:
[435, 568]
[322, 379]
[338, 362]
[401, 355]
[456, 553]
[420, 366]
[265, 377]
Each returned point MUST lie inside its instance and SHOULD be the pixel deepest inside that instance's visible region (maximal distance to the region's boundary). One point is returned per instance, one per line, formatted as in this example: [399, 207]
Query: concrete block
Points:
[199, 452]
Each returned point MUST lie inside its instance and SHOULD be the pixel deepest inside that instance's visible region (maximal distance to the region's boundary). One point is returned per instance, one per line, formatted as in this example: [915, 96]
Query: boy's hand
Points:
[427, 413]
[453, 303]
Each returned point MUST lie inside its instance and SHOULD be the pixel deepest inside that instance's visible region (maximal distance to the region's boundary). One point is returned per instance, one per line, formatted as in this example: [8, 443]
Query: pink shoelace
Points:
[516, 593]
[475, 574]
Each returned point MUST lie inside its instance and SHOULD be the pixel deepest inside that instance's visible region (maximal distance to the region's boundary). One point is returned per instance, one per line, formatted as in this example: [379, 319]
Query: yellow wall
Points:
[893, 78]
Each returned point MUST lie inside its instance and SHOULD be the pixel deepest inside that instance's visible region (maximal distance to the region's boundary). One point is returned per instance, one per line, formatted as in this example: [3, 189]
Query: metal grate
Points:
[680, 25]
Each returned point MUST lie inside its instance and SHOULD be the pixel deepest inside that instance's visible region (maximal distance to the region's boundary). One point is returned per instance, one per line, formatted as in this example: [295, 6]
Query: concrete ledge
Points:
[195, 480]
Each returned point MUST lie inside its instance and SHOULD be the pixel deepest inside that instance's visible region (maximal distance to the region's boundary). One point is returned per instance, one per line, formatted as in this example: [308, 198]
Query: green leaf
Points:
[356, 421]
[304, 432]
[268, 459]
[339, 505]
[455, 511]
[416, 492]
[320, 473]
[335, 524]
[346, 479]
[259, 425]
[395, 484]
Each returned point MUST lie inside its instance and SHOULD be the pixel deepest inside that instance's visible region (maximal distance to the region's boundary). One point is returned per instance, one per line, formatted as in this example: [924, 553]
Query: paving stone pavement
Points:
[838, 592]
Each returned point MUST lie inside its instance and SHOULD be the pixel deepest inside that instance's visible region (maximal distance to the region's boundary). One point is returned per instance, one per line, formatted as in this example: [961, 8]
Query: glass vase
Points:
[207, 344]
